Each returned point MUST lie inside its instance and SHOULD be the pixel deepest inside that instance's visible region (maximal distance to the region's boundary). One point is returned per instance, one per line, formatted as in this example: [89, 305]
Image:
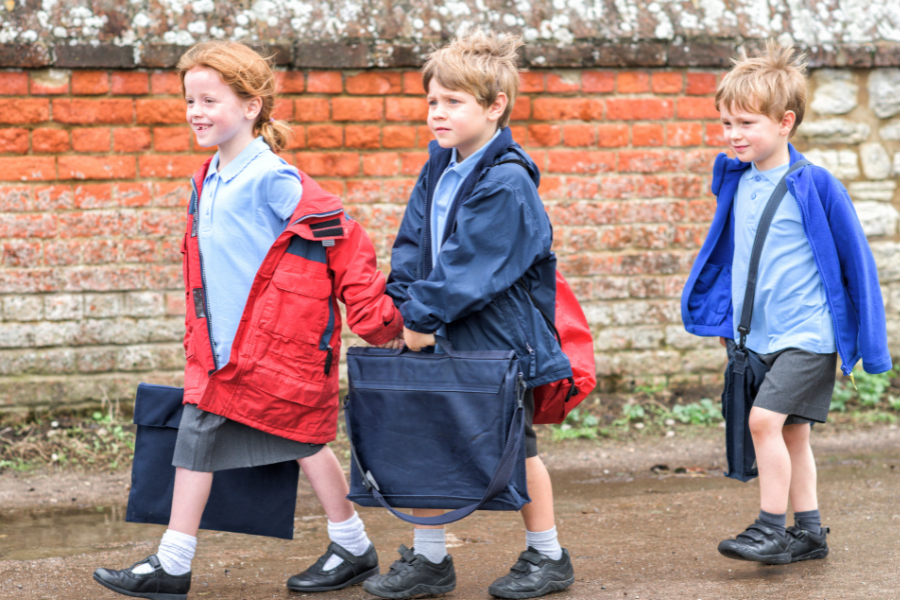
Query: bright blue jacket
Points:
[497, 235]
[840, 249]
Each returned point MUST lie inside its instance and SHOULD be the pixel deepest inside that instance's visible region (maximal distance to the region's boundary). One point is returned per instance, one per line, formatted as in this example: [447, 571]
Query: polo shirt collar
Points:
[772, 175]
[253, 149]
[465, 167]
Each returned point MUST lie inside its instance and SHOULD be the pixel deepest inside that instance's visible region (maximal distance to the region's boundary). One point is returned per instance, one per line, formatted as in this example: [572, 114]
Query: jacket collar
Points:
[725, 167]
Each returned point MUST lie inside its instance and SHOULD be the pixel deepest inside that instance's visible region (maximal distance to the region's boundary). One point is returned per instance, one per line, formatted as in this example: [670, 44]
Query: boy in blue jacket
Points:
[474, 228]
[817, 295]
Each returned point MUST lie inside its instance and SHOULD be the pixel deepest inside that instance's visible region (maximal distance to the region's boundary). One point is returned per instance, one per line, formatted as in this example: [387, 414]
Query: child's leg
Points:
[189, 500]
[538, 514]
[772, 459]
[803, 468]
[430, 540]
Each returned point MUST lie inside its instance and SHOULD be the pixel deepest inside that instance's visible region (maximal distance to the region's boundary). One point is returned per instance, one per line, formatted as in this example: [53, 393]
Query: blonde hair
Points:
[249, 75]
[481, 64]
[771, 85]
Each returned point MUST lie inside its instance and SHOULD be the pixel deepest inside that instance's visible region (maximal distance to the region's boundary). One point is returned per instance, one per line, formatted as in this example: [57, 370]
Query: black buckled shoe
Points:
[806, 545]
[533, 575]
[354, 570]
[759, 543]
[413, 575]
[156, 585]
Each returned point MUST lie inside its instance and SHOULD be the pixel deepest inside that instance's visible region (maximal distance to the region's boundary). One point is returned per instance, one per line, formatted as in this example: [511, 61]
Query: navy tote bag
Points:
[255, 500]
[436, 430]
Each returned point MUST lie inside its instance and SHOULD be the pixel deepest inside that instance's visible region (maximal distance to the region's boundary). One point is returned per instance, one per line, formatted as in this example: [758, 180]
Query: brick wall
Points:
[93, 187]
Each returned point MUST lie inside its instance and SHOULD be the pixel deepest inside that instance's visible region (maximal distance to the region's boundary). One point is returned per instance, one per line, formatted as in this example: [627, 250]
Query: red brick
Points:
[333, 186]
[634, 109]
[684, 134]
[18, 111]
[543, 135]
[374, 84]
[130, 83]
[89, 112]
[398, 191]
[701, 84]
[27, 168]
[363, 192]
[649, 162]
[309, 110]
[16, 198]
[20, 254]
[325, 136]
[49, 141]
[169, 166]
[331, 164]
[13, 83]
[90, 83]
[284, 110]
[697, 108]
[411, 163]
[381, 164]
[324, 82]
[366, 137]
[715, 135]
[165, 82]
[412, 83]
[686, 186]
[701, 210]
[358, 109]
[91, 139]
[96, 167]
[579, 135]
[519, 134]
[531, 82]
[290, 82]
[617, 188]
[425, 136]
[565, 161]
[407, 109]
[521, 109]
[651, 187]
[27, 226]
[171, 139]
[48, 87]
[298, 139]
[578, 188]
[646, 134]
[667, 82]
[397, 136]
[598, 82]
[560, 109]
[131, 139]
[172, 194]
[690, 236]
[13, 141]
[138, 251]
[134, 194]
[53, 197]
[612, 136]
[584, 213]
[561, 84]
[161, 111]
[96, 195]
[701, 161]
[175, 305]
[633, 82]
[161, 222]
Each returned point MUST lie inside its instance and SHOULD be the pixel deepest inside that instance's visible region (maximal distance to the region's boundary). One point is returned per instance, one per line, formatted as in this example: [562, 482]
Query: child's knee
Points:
[796, 436]
[765, 422]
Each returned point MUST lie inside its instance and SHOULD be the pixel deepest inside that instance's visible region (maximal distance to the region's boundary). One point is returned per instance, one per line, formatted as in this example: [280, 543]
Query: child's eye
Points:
[454, 101]
[432, 103]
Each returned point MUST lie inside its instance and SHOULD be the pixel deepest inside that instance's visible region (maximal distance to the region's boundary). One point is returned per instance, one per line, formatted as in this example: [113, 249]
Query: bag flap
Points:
[158, 405]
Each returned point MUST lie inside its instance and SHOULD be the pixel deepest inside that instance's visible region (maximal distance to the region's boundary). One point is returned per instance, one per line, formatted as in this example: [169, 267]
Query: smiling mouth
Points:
[201, 127]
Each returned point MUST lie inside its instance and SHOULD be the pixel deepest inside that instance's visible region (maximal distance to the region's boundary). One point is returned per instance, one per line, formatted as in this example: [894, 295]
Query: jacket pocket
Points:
[710, 299]
[189, 343]
[296, 305]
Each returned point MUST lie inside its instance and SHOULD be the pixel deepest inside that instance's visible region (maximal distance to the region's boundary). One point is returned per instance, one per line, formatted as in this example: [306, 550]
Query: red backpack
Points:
[553, 401]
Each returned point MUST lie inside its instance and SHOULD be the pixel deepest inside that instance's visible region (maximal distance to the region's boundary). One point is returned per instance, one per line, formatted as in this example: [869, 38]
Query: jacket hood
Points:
[503, 147]
[725, 165]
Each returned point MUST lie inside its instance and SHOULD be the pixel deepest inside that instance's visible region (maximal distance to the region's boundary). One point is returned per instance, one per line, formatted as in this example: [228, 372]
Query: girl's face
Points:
[215, 113]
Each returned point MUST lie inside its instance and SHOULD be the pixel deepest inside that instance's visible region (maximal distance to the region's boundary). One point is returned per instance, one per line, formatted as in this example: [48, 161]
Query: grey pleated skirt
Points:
[208, 442]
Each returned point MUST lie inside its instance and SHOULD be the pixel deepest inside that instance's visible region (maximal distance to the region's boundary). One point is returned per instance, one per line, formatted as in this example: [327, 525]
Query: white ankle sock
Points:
[545, 542]
[175, 553]
[351, 536]
[431, 543]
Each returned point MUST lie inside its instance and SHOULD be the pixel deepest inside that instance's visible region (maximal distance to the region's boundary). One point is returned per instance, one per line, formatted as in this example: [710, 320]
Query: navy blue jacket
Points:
[840, 249]
[497, 234]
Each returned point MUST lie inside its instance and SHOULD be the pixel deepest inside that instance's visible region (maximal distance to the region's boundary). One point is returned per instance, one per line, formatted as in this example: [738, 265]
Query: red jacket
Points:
[282, 376]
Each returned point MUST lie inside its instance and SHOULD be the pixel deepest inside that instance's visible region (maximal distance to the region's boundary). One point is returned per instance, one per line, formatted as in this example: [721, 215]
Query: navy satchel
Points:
[254, 500]
[436, 430]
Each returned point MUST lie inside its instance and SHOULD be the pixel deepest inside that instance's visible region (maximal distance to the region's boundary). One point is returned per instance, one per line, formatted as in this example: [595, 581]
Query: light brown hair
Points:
[771, 84]
[249, 75]
[478, 63]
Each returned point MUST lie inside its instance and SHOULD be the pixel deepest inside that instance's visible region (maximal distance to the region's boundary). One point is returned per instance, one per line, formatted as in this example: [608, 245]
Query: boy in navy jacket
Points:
[474, 229]
[817, 295]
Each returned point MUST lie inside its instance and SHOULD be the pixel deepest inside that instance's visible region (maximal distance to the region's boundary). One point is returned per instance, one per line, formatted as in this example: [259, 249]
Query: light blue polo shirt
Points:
[243, 209]
[790, 309]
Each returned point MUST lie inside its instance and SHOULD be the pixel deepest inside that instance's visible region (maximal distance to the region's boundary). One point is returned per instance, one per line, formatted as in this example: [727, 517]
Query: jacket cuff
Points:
[392, 330]
[427, 326]
[881, 366]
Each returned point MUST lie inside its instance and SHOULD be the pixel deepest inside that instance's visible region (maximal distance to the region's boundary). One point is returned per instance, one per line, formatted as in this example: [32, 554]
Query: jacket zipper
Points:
[212, 346]
[426, 227]
[328, 214]
[326, 338]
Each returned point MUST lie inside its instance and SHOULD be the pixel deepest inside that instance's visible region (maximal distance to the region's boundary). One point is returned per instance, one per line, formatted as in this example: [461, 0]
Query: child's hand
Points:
[415, 341]
[722, 341]
[394, 344]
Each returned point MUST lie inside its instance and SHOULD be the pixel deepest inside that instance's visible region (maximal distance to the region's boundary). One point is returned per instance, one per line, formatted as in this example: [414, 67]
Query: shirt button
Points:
[758, 178]
[753, 196]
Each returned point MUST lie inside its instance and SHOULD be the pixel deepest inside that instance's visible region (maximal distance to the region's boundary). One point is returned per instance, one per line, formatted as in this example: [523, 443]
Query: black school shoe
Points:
[354, 569]
[759, 543]
[413, 575]
[533, 575]
[156, 585]
[806, 545]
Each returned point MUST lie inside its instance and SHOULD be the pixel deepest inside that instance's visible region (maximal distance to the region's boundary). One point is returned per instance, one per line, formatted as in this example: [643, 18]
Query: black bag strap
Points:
[498, 483]
[761, 232]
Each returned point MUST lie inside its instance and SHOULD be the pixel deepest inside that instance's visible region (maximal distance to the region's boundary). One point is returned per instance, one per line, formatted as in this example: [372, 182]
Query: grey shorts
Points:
[208, 442]
[799, 384]
[531, 449]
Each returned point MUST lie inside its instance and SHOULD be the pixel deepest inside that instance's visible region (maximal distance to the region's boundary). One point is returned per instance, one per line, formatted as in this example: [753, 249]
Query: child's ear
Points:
[787, 122]
[252, 109]
[496, 110]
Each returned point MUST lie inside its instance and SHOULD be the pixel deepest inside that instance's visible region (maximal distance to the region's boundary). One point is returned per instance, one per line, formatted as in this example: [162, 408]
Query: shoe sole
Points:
[774, 559]
[355, 581]
[149, 596]
[420, 591]
[549, 588]
[815, 554]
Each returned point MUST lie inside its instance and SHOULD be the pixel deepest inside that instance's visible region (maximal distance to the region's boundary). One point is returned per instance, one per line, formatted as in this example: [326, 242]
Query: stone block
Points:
[144, 304]
[887, 259]
[876, 163]
[835, 131]
[63, 307]
[893, 333]
[103, 306]
[884, 92]
[23, 308]
[896, 169]
[877, 218]
[101, 56]
[331, 56]
[56, 333]
[629, 338]
[136, 358]
[891, 131]
[709, 360]
[654, 362]
[17, 335]
[25, 56]
[598, 313]
[880, 191]
[95, 360]
[843, 164]
[165, 329]
[18, 362]
[677, 337]
[836, 92]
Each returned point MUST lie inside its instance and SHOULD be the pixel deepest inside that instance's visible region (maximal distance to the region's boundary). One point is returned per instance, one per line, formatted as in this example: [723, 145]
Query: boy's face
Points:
[458, 121]
[756, 137]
